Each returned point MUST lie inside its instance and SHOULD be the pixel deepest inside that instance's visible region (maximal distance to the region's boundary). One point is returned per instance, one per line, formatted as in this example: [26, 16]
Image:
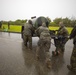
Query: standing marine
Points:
[61, 39]
[27, 33]
[72, 65]
[43, 44]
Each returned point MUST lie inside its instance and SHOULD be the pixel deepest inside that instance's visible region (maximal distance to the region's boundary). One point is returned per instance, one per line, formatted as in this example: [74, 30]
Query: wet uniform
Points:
[72, 65]
[62, 38]
[27, 34]
[44, 44]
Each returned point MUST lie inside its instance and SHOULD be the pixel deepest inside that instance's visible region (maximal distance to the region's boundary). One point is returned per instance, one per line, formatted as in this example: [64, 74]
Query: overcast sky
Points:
[25, 9]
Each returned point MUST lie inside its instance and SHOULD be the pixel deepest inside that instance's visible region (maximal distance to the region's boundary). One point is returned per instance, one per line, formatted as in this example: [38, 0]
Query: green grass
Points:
[17, 28]
[13, 28]
[56, 28]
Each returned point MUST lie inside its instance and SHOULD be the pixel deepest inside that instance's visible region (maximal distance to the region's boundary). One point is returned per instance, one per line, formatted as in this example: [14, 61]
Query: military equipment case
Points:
[36, 23]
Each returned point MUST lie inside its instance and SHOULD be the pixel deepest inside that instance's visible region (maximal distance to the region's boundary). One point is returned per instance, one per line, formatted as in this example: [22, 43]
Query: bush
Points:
[53, 24]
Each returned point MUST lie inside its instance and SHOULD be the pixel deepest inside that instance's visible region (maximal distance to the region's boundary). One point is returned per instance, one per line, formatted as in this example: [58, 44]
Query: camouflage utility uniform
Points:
[27, 34]
[62, 38]
[43, 44]
[41, 29]
[72, 65]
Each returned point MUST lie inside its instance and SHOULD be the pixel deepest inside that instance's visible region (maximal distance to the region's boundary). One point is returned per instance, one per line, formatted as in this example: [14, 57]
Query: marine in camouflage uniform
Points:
[62, 38]
[41, 29]
[72, 65]
[44, 44]
[27, 33]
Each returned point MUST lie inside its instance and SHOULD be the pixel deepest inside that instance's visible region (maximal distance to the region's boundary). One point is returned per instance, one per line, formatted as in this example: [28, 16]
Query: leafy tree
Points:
[57, 20]
[66, 21]
[73, 21]
[53, 24]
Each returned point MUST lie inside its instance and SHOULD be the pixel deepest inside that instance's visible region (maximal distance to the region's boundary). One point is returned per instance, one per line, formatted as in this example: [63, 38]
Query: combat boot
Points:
[30, 48]
[53, 53]
[70, 68]
[56, 53]
[37, 57]
[48, 64]
[25, 44]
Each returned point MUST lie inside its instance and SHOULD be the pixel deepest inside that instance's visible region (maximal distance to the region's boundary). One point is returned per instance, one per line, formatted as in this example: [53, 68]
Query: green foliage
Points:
[73, 23]
[17, 22]
[53, 24]
[57, 20]
[67, 22]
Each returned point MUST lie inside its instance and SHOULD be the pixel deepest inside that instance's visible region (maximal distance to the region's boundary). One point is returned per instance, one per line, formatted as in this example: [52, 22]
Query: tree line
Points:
[16, 22]
[67, 22]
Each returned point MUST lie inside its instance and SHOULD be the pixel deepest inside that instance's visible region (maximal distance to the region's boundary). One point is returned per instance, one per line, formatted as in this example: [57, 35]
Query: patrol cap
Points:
[44, 24]
[61, 23]
[29, 21]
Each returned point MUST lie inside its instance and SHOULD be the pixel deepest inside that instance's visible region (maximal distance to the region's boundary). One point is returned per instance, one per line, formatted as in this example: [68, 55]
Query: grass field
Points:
[56, 28]
[17, 28]
[13, 28]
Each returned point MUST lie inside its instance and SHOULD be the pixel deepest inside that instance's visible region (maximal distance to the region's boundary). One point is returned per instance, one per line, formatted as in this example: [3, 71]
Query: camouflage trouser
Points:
[43, 49]
[27, 38]
[60, 44]
[73, 58]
